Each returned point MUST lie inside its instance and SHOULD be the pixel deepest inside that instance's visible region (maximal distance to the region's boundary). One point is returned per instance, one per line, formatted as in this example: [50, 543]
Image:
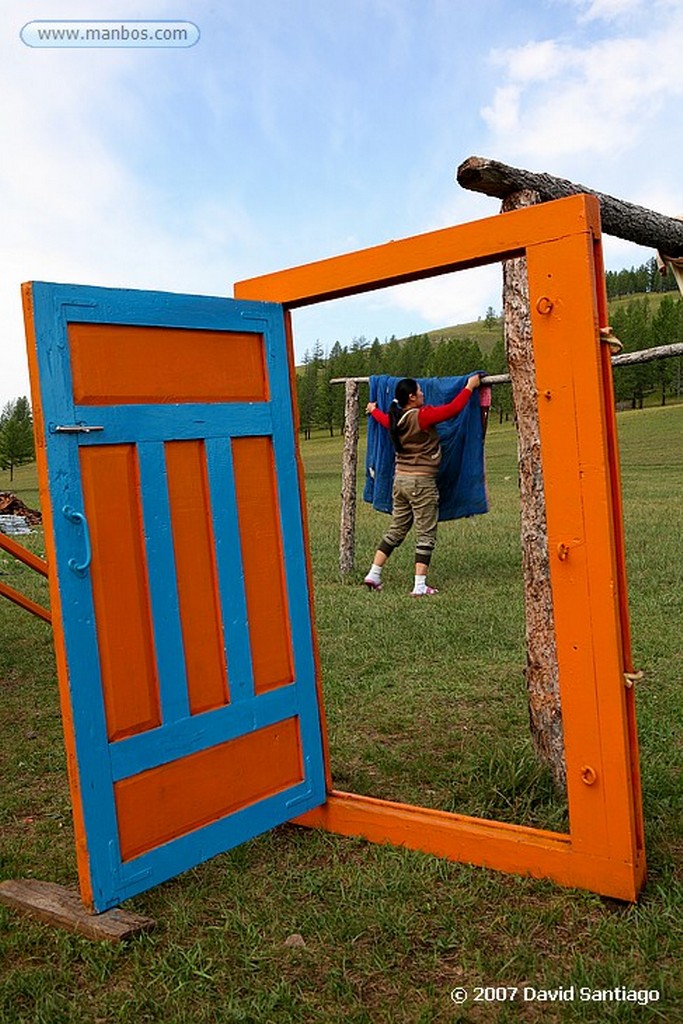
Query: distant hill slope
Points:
[486, 336]
[653, 299]
[477, 330]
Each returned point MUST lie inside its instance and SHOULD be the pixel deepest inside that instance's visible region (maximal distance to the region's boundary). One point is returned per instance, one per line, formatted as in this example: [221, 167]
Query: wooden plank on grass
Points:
[56, 905]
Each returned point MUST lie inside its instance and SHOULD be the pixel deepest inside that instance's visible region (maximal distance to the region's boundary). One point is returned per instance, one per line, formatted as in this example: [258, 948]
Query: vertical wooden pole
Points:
[347, 535]
[541, 673]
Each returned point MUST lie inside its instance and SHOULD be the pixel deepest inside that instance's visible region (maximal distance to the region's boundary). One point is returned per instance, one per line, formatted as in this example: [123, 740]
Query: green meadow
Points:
[425, 703]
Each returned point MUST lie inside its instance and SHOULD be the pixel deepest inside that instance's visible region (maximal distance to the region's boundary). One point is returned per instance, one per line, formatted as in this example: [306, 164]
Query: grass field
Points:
[425, 703]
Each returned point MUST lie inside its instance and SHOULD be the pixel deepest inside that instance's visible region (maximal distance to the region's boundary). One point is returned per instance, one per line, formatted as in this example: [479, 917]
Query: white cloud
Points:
[559, 99]
[502, 116]
[449, 299]
[608, 10]
[268, 145]
[536, 62]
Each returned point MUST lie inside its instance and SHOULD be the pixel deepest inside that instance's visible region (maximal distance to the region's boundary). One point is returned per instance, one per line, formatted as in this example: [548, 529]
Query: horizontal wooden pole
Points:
[645, 355]
[501, 378]
[648, 355]
[618, 217]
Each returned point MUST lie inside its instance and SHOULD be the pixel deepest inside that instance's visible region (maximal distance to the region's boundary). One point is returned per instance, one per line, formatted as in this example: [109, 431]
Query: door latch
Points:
[73, 428]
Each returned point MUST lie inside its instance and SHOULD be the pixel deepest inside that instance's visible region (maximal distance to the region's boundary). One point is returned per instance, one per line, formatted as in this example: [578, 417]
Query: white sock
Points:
[375, 573]
[420, 585]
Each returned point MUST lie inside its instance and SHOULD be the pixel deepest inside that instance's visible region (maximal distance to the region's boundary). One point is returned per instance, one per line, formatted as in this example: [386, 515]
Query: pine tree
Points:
[307, 385]
[633, 327]
[490, 320]
[666, 329]
[16, 435]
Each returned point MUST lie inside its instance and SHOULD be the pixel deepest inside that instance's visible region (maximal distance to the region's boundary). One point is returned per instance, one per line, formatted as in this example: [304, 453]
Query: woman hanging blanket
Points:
[424, 462]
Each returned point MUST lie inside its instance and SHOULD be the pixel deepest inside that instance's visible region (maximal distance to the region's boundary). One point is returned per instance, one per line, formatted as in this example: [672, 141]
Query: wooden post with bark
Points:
[517, 188]
[541, 673]
[347, 538]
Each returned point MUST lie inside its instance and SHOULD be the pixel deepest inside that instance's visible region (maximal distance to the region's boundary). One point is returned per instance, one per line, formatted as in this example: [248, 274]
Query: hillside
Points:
[653, 300]
[477, 330]
[486, 337]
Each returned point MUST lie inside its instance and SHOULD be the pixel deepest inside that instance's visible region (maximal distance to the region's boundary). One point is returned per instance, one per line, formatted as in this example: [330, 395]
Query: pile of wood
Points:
[10, 505]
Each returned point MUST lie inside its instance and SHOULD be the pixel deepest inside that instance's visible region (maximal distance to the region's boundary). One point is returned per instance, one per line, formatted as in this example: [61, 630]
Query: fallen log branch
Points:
[618, 217]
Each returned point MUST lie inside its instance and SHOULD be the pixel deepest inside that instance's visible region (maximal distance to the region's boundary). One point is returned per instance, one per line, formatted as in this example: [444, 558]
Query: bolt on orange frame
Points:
[604, 849]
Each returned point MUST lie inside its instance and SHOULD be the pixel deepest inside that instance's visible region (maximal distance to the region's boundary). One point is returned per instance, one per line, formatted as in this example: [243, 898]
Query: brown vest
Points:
[421, 448]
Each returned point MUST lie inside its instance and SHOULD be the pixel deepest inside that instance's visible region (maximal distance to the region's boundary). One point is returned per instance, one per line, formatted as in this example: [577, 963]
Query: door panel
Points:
[120, 591]
[196, 575]
[160, 804]
[261, 542]
[129, 364]
[178, 568]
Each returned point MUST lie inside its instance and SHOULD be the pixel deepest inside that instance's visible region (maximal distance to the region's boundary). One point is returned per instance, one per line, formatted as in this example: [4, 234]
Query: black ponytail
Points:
[404, 389]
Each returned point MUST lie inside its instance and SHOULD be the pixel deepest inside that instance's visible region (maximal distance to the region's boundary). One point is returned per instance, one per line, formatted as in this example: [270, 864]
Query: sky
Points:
[295, 130]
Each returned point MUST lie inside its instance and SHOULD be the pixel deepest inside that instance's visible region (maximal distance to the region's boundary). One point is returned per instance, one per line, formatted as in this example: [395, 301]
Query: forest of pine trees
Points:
[638, 280]
[638, 323]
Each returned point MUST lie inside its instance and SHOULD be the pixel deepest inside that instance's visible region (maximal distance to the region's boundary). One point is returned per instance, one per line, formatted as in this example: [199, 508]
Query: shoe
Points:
[372, 584]
[427, 592]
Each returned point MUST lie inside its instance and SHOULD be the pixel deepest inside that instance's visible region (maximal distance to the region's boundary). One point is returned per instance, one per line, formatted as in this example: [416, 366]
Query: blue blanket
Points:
[461, 479]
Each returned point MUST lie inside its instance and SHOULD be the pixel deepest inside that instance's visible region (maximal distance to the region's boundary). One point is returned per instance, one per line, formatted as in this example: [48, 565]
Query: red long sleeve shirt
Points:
[429, 415]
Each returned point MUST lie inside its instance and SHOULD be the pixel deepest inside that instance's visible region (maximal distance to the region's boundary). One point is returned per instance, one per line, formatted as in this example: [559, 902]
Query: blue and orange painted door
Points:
[183, 630]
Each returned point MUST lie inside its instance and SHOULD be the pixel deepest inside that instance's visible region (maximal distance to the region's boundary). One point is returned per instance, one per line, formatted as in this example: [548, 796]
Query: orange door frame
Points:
[604, 849]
